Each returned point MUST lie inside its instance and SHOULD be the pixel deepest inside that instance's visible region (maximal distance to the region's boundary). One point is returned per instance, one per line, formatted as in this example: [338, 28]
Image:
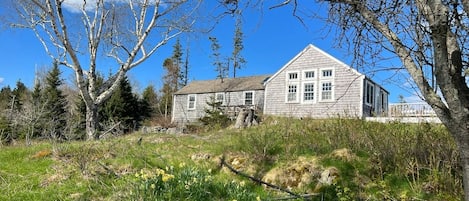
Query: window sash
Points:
[292, 92]
[308, 92]
[248, 98]
[191, 102]
[326, 92]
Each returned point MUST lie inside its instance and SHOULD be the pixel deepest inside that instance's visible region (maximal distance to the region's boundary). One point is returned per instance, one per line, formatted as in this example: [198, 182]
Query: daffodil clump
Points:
[189, 183]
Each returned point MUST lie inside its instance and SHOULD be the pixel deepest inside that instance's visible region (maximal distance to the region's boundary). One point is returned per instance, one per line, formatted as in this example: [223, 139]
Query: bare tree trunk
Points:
[249, 118]
[240, 119]
[464, 151]
[461, 129]
[92, 122]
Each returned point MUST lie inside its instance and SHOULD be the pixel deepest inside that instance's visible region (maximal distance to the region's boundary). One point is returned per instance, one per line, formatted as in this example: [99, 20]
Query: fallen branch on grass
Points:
[256, 180]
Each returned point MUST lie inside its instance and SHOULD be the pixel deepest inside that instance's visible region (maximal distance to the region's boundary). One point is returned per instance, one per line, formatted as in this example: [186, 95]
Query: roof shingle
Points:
[228, 85]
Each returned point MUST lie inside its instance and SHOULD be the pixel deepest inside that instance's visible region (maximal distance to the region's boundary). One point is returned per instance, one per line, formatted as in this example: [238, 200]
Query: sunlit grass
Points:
[388, 161]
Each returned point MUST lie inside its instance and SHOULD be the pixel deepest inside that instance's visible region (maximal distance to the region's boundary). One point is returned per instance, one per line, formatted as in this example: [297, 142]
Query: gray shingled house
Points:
[313, 84]
[190, 102]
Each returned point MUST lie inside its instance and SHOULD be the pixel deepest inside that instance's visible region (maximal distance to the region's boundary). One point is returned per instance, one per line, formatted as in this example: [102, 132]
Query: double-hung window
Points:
[191, 101]
[326, 84]
[220, 98]
[308, 92]
[248, 98]
[292, 88]
[326, 91]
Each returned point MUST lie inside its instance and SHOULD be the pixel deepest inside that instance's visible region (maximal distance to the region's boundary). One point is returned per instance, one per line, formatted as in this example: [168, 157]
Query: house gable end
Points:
[311, 47]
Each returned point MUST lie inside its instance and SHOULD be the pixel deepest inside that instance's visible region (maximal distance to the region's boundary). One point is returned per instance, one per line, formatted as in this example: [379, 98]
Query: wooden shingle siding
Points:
[333, 89]
[182, 115]
[346, 83]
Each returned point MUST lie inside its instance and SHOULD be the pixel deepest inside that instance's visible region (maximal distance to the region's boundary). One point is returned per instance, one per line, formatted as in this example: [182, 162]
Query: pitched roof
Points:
[228, 85]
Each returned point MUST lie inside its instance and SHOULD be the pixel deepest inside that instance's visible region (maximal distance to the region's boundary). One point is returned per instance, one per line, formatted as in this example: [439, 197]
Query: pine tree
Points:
[37, 107]
[149, 102]
[123, 107]
[238, 60]
[220, 67]
[184, 77]
[20, 94]
[55, 105]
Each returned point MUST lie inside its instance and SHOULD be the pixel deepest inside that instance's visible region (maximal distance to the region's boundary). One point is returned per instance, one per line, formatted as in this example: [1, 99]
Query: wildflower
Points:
[152, 186]
[181, 165]
[258, 198]
[242, 183]
[210, 171]
[137, 175]
[167, 177]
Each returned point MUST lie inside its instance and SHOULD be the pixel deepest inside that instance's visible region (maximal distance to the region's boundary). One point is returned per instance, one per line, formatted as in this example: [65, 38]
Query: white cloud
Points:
[1, 80]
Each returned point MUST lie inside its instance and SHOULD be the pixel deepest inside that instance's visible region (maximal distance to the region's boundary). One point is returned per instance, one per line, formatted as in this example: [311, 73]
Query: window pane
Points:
[309, 74]
[292, 89]
[191, 104]
[326, 91]
[308, 92]
[220, 98]
[248, 98]
[327, 73]
[292, 76]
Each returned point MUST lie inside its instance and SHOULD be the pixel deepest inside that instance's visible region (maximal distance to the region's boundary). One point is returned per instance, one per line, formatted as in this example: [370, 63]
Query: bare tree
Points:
[89, 33]
[431, 40]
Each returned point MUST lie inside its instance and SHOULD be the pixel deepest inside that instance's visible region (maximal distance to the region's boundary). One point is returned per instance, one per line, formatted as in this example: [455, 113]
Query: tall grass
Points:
[419, 158]
[392, 161]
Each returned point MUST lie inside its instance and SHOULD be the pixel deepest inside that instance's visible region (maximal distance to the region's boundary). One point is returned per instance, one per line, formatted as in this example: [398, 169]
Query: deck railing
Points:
[411, 110]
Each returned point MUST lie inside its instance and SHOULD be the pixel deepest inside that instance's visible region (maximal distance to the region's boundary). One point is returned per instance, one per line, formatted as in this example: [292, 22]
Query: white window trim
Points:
[189, 100]
[244, 97]
[303, 73]
[220, 93]
[298, 76]
[372, 95]
[315, 95]
[298, 91]
[332, 91]
[324, 69]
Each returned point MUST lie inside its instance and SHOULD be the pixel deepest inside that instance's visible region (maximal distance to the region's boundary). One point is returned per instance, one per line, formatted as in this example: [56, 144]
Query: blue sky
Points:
[272, 38]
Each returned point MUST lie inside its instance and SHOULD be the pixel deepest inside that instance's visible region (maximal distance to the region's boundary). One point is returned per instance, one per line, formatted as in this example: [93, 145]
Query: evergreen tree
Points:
[123, 107]
[149, 102]
[5, 98]
[55, 105]
[20, 94]
[184, 77]
[37, 107]
[220, 67]
[238, 60]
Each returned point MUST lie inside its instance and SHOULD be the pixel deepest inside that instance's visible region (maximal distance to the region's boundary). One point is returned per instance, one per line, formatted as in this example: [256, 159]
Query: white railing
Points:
[411, 110]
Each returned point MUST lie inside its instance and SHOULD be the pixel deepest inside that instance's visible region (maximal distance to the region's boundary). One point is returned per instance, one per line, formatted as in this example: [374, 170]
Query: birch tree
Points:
[89, 35]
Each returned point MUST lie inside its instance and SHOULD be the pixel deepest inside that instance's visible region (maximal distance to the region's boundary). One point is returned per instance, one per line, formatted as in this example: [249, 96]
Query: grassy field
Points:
[334, 159]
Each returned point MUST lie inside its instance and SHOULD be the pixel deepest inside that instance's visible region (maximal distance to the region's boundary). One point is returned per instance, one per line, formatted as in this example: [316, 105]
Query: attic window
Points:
[327, 73]
[293, 76]
[309, 74]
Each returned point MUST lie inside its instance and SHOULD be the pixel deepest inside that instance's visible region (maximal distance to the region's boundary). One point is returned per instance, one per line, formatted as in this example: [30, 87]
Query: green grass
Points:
[388, 161]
